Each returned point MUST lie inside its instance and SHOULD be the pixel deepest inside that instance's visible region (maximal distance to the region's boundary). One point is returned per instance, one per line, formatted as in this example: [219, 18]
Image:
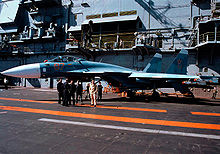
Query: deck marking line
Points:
[143, 130]
[26, 100]
[126, 108]
[45, 90]
[98, 106]
[115, 118]
[205, 113]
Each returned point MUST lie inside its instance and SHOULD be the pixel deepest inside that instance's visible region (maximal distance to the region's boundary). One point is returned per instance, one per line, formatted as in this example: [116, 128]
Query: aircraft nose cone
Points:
[24, 71]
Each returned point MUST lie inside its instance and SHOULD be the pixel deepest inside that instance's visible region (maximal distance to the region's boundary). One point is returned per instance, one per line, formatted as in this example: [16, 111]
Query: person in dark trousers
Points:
[79, 90]
[87, 34]
[214, 92]
[6, 83]
[100, 91]
[73, 91]
[66, 93]
[87, 91]
[60, 91]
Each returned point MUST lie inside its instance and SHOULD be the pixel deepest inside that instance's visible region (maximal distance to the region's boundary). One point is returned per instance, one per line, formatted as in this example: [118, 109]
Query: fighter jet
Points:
[127, 79]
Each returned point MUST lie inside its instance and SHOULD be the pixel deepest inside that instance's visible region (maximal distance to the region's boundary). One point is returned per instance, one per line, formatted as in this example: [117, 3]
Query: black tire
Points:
[155, 94]
[130, 94]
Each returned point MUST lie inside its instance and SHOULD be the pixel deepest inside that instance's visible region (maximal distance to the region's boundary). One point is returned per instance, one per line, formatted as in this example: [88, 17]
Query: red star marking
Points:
[179, 61]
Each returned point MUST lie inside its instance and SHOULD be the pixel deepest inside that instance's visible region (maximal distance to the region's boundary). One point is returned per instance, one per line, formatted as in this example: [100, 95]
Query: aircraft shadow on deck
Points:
[176, 100]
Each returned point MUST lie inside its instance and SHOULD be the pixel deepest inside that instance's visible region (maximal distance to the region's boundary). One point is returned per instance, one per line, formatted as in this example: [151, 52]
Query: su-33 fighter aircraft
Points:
[124, 78]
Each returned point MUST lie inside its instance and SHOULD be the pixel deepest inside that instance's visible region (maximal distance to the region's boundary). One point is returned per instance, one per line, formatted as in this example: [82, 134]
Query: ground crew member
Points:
[93, 91]
[100, 91]
[87, 91]
[215, 92]
[67, 97]
[72, 90]
[6, 83]
[60, 90]
[79, 90]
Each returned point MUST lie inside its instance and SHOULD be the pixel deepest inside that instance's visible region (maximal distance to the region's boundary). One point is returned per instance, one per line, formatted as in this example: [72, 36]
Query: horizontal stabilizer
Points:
[162, 76]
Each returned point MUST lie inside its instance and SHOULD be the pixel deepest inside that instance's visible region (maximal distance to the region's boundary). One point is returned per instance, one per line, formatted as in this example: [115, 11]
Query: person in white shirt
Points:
[93, 90]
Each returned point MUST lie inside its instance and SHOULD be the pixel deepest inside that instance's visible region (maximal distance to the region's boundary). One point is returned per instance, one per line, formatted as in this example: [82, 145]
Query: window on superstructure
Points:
[129, 26]
[109, 27]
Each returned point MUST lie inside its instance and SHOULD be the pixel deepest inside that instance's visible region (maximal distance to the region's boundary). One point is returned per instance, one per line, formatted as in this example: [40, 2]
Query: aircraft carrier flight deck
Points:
[33, 122]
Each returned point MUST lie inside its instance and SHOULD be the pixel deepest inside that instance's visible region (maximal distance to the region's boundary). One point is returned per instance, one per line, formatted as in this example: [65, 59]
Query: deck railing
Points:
[108, 41]
[209, 36]
[113, 41]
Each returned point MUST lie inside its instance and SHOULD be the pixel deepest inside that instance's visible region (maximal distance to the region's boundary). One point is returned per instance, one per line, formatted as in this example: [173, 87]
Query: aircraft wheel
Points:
[191, 94]
[67, 51]
[155, 94]
[131, 94]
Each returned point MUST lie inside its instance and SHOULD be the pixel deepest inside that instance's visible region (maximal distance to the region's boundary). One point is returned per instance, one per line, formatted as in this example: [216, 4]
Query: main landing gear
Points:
[155, 94]
[131, 94]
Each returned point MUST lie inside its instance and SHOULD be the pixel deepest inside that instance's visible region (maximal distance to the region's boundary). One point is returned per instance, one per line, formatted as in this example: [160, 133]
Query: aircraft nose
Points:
[24, 71]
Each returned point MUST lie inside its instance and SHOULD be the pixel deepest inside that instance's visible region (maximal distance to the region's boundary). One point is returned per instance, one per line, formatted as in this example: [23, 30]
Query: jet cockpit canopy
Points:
[66, 58]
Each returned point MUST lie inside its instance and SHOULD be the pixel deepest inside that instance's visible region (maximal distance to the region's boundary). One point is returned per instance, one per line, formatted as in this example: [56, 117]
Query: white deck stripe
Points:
[155, 131]
[49, 90]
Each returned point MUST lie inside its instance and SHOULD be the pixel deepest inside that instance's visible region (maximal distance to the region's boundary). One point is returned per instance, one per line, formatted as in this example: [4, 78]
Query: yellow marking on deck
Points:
[115, 118]
[205, 113]
[98, 106]
[26, 100]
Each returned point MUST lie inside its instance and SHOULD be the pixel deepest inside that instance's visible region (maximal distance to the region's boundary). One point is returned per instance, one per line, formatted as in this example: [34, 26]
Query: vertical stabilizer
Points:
[154, 66]
[179, 64]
